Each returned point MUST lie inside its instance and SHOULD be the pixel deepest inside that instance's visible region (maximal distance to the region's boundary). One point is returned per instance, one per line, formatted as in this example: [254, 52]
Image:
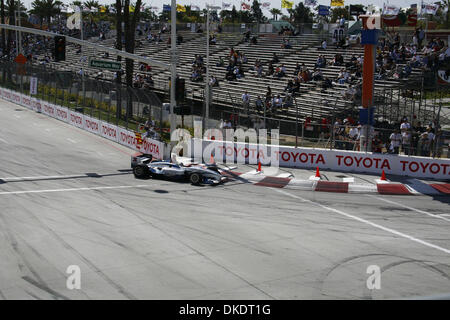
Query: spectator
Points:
[297, 69]
[246, 101]
[317, 75]
[280, 72]
[396, 140]
[277, 102]
[406, 142]
[320, 62]
[342, 22]
[405, 125]
[425, 145]
[259, 104]
[275, 58]
[213, 82]
[289, 87]
[288, 102]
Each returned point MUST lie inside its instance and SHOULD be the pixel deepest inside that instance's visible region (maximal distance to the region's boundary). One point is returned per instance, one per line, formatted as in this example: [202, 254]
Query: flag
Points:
[390, 10]
[337, 3]
[131, 8]
[181, 8]
[226, 5]
[356, 10]
[429, 8]
[102, 9]
[287, 4]
[412, 20]
[74, 21]
[245, 6]
[166, 7]
[138, 139]
[324, 10]
[310, 3]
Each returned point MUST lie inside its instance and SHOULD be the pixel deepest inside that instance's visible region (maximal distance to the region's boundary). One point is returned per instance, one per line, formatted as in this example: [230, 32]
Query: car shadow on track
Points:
[91, 175]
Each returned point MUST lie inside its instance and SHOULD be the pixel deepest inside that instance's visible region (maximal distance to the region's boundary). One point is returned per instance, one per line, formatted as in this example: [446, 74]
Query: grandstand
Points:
[312, 103]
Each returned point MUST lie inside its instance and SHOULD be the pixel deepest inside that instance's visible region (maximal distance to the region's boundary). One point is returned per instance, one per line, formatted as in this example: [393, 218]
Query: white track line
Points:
[410, 208]
[73, 141]
[397, 233]
[72, 189]
[4, 141]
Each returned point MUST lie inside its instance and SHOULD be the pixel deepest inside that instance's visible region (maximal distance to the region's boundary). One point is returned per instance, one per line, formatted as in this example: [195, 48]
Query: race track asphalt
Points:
[67, 197]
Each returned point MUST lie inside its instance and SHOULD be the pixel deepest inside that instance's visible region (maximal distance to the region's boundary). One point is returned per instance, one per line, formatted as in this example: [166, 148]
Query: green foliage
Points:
[275, 13]
[301, 14]
[338, 12]
[257, 13]
[45, 9]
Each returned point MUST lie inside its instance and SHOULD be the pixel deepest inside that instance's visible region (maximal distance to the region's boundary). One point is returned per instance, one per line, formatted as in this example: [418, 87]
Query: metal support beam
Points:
[90, 45]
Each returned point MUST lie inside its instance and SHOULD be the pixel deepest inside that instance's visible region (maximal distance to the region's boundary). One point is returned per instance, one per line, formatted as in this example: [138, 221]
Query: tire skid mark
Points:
[23, 264]
[118, 287]
[45, 288]
[167, 233]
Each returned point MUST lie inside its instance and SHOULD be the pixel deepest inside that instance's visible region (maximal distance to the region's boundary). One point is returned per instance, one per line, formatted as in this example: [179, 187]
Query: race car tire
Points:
[195, 178]
[141, 172]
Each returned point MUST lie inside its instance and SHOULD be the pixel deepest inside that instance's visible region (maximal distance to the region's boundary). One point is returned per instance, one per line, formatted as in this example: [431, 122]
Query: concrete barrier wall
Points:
[282, 156]
[79, 120]
[338, 160]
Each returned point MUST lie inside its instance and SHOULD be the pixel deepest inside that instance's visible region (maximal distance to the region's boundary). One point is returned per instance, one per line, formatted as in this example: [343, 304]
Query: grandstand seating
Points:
[311, 101]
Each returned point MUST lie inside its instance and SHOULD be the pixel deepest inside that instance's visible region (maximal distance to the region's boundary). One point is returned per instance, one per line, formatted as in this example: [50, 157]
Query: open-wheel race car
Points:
[145, 167]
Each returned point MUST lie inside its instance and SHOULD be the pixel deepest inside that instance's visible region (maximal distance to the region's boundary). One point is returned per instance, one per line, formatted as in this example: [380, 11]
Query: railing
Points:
[341, 137]
[106, 100]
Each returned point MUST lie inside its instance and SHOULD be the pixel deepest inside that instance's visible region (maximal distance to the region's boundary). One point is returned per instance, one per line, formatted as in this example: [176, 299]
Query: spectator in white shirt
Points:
[246, 101]
[406, 142]
[405, 125]
[396, 140]
[353, 133]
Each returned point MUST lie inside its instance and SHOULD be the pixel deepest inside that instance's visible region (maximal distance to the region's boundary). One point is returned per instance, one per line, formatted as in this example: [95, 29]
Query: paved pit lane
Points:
[68, 198]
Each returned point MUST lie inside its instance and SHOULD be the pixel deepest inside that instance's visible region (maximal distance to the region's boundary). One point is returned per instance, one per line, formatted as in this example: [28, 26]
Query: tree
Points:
[77, 3]
[17, 3]
[301, 14]
[119, 58]
[38, 10]
[2, 17]
[234, 14]
[91, 4]
[148, 14]
[12, 21]
[275, 13]
[130, 19]
[338, 12]
[443, 14]
[46, 9]
[257, 13]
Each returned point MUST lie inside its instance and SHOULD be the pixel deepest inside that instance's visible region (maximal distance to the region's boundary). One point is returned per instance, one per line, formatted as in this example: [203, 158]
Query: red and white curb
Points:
[316, 184]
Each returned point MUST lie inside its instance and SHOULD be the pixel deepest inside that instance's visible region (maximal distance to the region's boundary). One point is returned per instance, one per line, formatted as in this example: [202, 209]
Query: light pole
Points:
[173, 63]
[207, 87]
